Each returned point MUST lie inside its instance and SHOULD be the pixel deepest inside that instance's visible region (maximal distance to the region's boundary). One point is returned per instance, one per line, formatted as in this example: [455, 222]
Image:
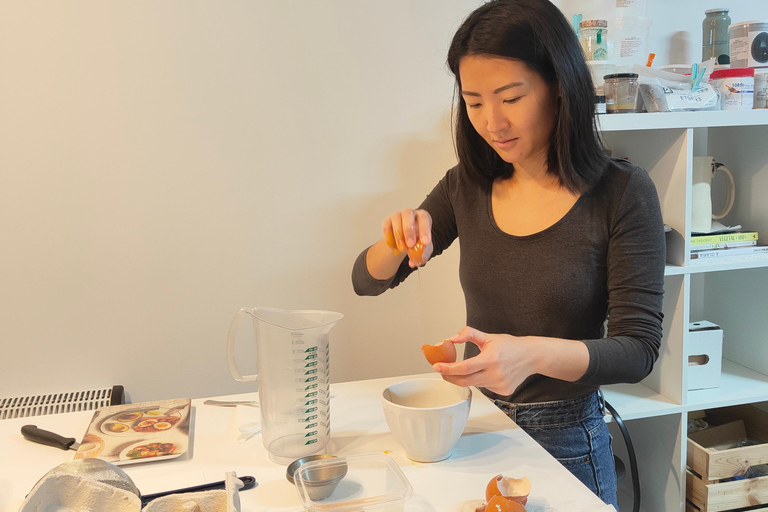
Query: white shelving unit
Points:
[732, 294]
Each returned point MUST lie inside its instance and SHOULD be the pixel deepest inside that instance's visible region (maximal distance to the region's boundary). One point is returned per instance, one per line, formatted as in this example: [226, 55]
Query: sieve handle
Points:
[248, 483]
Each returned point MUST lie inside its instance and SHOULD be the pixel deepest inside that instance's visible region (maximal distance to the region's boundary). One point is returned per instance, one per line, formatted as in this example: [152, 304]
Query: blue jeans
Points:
[573, 432]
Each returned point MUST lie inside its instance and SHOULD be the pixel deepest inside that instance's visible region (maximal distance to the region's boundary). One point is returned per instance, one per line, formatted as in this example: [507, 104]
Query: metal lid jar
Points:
[620, 92]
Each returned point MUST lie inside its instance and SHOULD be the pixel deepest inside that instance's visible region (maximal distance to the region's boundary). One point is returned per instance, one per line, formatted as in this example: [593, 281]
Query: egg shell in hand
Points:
[416, 253]
[443, 352]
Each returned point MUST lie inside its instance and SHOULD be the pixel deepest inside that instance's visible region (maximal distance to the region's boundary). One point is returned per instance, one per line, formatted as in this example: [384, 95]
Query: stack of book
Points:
[725, 245]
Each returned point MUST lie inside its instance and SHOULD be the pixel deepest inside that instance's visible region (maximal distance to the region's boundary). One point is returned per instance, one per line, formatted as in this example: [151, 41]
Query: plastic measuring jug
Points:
[293, 374]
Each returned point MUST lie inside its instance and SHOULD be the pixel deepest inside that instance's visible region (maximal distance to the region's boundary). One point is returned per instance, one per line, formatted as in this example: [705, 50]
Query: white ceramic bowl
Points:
[426, 416]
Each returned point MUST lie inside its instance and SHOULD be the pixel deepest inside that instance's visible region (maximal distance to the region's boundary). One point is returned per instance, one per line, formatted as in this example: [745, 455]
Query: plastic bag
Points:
[662, 91]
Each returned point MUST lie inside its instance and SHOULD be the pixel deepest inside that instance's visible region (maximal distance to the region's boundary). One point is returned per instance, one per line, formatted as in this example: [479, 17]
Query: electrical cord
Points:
[632, 458]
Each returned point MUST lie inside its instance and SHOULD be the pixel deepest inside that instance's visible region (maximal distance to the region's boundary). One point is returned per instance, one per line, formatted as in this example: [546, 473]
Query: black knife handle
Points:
[248, 483]
[41, 436]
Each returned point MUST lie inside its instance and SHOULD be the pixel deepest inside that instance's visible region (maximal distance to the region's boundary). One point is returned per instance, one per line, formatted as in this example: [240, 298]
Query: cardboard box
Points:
[704, 350]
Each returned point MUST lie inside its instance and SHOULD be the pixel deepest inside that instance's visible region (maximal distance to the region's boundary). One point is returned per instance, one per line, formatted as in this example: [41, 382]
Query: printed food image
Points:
[130, 416]
[117, 427]
[443, 352]
[151, 450]
[91, 446]
[156, 424]
[505, 494]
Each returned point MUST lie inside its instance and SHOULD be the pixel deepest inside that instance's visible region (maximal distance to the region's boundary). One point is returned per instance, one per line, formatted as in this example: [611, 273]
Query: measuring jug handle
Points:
[233, 328]
[731, 186]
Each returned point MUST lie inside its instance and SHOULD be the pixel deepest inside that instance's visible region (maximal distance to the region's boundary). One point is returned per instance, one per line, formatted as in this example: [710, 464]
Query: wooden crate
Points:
[713, 455]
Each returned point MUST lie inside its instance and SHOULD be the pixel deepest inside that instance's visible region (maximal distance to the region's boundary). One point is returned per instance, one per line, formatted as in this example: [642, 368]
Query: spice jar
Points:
[600, 100]
[593, 37]
[620, 92]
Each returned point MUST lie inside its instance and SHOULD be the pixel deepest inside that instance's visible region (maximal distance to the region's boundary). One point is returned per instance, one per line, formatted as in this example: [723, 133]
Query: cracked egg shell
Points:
[502, 504]
[515, 489]
[443, 352]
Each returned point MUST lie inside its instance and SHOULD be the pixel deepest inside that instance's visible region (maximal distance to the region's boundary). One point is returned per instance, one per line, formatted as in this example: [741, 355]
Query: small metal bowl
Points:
[320, 482]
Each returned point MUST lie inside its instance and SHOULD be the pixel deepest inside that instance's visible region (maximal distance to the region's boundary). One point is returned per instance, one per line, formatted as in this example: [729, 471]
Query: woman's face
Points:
[510, 106]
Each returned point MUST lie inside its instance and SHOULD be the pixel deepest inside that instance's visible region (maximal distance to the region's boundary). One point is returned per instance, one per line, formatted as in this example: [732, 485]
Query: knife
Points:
[41, 436]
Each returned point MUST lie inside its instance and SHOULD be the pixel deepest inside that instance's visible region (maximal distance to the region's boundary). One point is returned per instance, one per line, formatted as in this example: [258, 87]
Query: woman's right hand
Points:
[410, 231]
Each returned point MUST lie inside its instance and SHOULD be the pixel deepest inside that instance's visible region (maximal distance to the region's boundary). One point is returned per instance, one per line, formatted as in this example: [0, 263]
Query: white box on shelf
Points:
[705, 355]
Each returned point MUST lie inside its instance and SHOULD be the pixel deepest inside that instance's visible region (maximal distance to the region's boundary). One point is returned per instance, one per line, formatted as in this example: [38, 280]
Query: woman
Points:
[555, 237]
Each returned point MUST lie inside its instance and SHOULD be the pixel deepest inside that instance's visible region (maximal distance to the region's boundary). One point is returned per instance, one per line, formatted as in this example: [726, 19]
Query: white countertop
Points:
[491, 444]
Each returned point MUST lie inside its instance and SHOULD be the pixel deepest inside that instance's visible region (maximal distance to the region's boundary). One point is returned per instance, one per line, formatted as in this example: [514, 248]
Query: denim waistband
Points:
[548, 414]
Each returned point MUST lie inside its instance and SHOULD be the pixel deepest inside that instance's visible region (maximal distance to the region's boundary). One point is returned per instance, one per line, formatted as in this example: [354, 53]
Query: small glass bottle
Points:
[714, 41]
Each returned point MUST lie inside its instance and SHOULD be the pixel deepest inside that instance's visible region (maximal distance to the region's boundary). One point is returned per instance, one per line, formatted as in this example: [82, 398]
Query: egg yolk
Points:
[443, 352]
[390, 239]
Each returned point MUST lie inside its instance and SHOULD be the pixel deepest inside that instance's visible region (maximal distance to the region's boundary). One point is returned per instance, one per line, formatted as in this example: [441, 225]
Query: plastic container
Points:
[748, 44]
[761, 89]
[630, 41]
[373, 482]
[593, 37]
[736, 88]
[630, 8]
[680, 69]
[714, 42]
[620, 92]
[293, 375]
[598, 69]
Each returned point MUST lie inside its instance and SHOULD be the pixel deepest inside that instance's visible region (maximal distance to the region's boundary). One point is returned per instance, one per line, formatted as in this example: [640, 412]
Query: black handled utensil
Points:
[248, 483]
[46, 437]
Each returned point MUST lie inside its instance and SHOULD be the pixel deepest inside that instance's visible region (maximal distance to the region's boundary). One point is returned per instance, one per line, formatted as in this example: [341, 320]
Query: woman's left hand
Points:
[503, 363]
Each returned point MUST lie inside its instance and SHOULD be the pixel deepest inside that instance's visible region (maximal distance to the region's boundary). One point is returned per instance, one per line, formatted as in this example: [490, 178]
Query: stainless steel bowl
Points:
[320, 481]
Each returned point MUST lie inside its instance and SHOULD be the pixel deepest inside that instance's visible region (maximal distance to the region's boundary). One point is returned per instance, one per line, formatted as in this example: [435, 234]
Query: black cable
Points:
[632, 458]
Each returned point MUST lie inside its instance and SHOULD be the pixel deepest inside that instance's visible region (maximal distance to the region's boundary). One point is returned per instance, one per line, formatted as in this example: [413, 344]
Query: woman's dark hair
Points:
[536, 33]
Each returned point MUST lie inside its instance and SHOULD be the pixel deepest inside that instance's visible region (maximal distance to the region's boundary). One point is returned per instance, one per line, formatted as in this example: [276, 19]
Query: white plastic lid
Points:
[372, 480]
[719, 9]
[633, 21]
[754, 24]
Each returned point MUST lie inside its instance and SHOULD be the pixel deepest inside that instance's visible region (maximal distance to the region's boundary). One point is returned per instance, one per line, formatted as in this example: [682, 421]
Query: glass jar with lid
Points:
[620, 92]
[714, 42]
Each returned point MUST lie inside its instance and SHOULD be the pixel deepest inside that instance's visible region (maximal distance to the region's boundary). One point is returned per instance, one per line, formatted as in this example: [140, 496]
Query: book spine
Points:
[723, 245]
[724, 238]
[736, 251]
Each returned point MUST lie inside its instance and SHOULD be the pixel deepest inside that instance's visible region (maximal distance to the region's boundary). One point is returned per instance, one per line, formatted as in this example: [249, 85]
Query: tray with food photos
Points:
[131, 433]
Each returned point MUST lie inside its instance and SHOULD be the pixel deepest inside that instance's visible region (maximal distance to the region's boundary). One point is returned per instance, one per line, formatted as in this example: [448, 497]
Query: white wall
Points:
[164, 163]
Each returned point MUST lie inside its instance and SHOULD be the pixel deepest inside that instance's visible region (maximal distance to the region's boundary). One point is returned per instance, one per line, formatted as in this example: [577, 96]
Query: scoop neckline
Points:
[544, 232]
